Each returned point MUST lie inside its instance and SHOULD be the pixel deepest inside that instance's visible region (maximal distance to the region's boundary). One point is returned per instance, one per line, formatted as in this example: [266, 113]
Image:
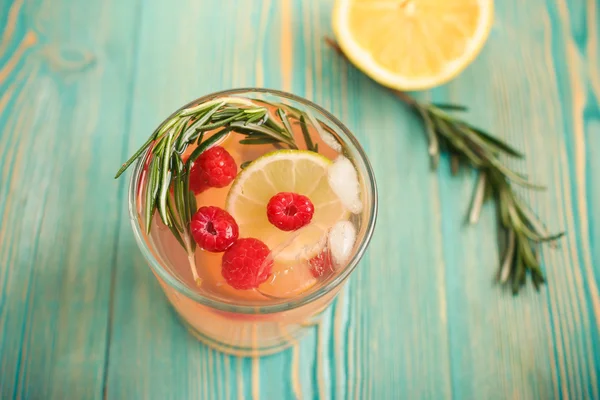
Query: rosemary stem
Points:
[192, 260]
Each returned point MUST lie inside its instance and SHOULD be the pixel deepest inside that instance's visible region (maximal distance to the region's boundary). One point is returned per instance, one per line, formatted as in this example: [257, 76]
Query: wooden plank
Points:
[64, 78]
[575, 59]
[420, 318]
[536, 345]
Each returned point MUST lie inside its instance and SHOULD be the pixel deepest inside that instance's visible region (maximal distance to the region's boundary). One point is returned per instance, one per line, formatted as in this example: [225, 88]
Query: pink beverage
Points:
[252, 208]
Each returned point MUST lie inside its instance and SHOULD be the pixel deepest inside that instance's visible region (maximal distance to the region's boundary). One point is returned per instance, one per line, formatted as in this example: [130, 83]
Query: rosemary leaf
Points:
[223, 115]
[529, 259]
[221, 123]
[193, 205]
[286, 123]
[255, 110]
[151, 192]
[195, 110]
[165, 178]
[192, 208]
[537, 278]
[273, 124]
[200, 137]
[160, 145]
[225, 112]
[135, 156]
[491, 145]
[335, 144]
[187, 207]
[519, 225]
[502, 202]
[173, 215]
[306, 134]
[256, 117]
[458, 142]
[180, 128]
[449, 107]
[434, 148]
[294, 112]
[205, 145]
[518, 271]
[251, 128]
[252, 113]
[177, 164]
[530, 217]
[166, 127]
[175, 233]
[143, 148]
[478, 199]
[255, 135]
[513, 176]
[178, 194]
[259, 141]
[506, 148]
[192, 129]
[508, 257]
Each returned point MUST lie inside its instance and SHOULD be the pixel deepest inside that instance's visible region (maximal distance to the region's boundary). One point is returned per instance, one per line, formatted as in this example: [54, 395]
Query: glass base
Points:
[260, 349]
[241, 351]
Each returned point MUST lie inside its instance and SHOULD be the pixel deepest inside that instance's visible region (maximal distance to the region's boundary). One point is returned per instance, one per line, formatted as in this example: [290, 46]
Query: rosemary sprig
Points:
[189, 127]
[469, 145]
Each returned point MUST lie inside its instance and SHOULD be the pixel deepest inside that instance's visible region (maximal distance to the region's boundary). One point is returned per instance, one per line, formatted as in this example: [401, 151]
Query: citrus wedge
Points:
[412, 44]
[298, 171]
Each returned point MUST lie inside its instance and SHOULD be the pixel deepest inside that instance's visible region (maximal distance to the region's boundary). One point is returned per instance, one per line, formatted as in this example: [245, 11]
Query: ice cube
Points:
[343, 180]
[298, 245]
[341, 241]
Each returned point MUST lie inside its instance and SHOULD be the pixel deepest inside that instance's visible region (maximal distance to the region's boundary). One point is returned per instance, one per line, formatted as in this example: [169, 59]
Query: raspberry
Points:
[214, 229]
[213, 168]
[321, 264]
[290, 211]
[246, 264]
[198, 187]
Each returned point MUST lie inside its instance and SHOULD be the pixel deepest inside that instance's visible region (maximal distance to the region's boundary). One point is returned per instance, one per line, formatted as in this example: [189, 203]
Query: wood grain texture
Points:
[63, 79]
[81, 315]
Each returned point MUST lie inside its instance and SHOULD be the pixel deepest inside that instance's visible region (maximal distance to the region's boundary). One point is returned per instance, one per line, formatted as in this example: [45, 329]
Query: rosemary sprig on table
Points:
[166, 167]
[470, 145]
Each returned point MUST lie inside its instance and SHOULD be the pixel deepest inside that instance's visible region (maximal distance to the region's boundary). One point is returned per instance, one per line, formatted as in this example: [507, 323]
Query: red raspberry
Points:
[290, 211]
[321, 264]
[197, 187]
[246, 264]
[214, 229]
[213, 168]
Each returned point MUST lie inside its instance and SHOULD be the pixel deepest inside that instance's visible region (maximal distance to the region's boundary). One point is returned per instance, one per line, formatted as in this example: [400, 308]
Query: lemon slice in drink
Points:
[412, 44]
[298, 171]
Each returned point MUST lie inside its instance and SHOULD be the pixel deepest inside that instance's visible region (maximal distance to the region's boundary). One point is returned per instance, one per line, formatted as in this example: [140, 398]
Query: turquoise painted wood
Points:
[81, 316]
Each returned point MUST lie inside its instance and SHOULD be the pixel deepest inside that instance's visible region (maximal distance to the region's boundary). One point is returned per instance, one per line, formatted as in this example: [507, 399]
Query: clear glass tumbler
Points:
[245, 328]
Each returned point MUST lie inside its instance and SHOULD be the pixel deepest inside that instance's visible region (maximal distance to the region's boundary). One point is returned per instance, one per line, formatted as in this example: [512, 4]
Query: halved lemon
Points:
[412, 44]
[298, 171]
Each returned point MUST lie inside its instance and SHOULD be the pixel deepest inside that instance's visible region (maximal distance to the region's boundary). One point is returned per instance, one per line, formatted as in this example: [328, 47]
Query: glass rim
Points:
[295, 302]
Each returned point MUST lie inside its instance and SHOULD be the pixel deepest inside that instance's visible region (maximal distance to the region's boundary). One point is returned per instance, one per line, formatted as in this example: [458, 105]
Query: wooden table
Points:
[83, 83]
